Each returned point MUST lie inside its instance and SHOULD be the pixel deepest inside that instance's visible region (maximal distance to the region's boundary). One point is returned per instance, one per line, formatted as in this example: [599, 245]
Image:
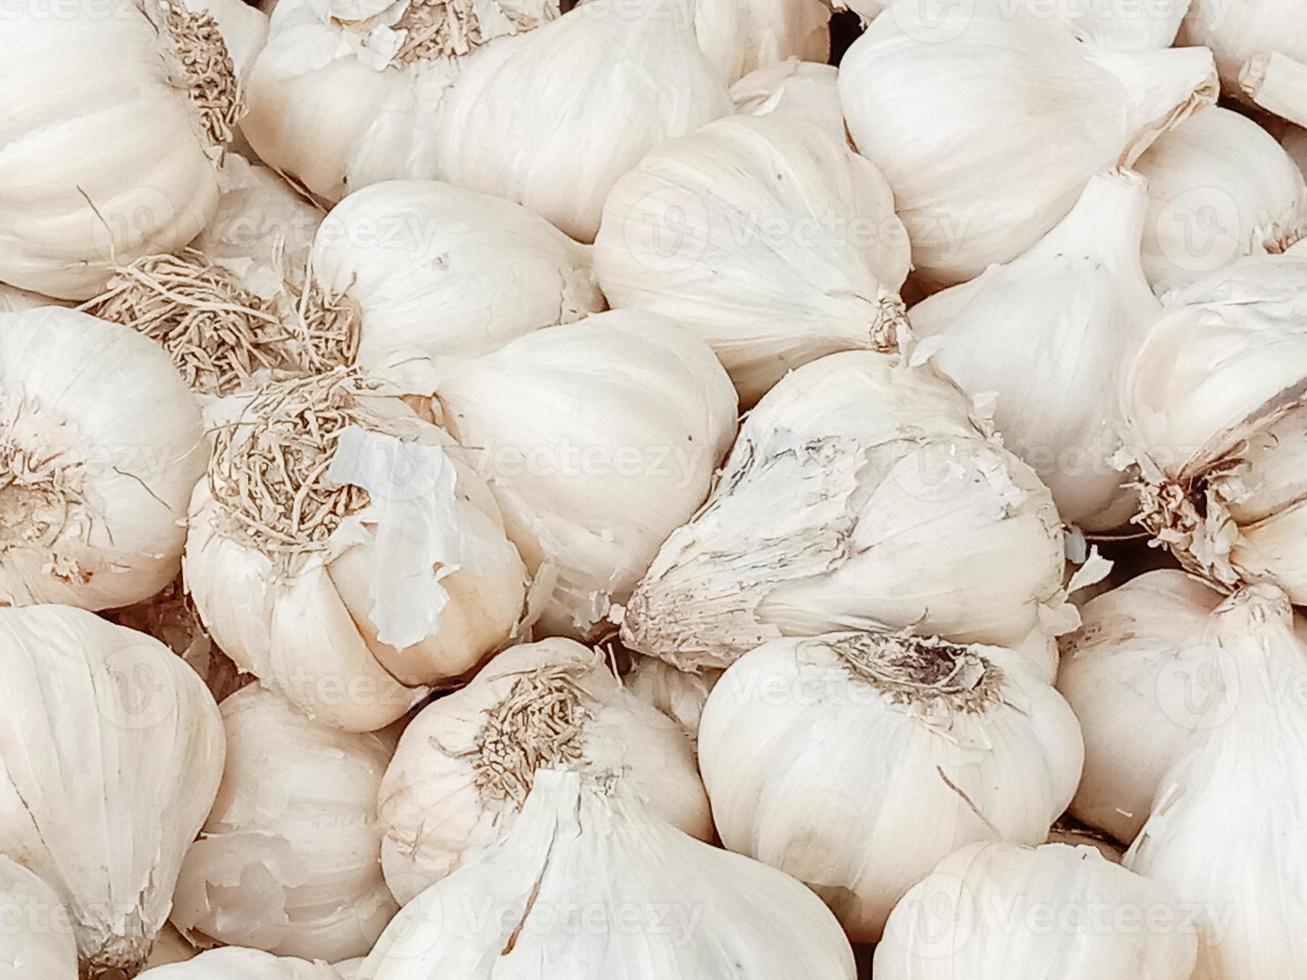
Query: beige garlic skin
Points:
[125, 162]
[929, 77]
[100, 443]
[15, 300]
[741, 36]
[1219, 188]
[236, 963]
[1237, 32]
[289, 858]
[466, 763]
[141, 764]
[800, 90]
[170, 947]
[890, 752]
[37, 940]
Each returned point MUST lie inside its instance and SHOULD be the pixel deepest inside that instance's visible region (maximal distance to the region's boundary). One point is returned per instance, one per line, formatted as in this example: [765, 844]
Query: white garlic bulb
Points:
[1036, 111]
[1219, 188]
[440, 270]
[800, 90]
[994, 911]
[100, 445]
[466, 763]
[1050, 333]
[1238, 31]
[590, 883]
[741, 36]
[676, 693]
[523, 121]
[1142, 679]
[767, 237]
[130, 168]
[1214, 419]
[37, 938]
[1224, 833]
[373, 560]
[102, 727]
[236, 963]
[597, 438]
[897, 750]
[861, 492]
[289, 859]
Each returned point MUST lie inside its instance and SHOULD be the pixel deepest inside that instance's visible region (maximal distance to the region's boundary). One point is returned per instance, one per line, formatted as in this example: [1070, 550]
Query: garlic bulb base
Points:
[1278, 84]
[204, 66]
[1200, 538]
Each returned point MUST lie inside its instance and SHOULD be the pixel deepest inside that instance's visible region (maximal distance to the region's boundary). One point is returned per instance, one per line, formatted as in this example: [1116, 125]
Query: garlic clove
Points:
[38, 937]
[1237, 32]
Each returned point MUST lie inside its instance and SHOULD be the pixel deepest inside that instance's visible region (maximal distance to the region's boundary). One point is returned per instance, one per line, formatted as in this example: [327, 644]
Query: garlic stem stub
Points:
[467, 762]
[765, 236]
[237, 963]
[995, 910]
[121, 165]
[897, 751]
[864, 493]
[141, 765]
[37, 940]
[590, 882]
[1037, 110]
[100, 446]
[1050, 334]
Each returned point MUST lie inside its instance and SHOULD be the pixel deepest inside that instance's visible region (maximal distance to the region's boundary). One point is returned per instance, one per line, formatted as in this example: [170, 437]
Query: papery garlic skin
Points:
[1050, 334]
[655, 903]
[676, 693]
[1237, 31]
[15, 300]
[897, 751]
[523, 122]
[1223, 836]
[439, 271]
[741, 36]
[994, 910]
[235, 963]
[289, 858]
[170, 947]
[768, 238]
[1125, 27]
[457, 781]
[597, 438]
[141, 764]
[37, 939]
[930, 77]
[800, 90]
[860, 493]
[1219, 188]
[100, 443]
[122, 164]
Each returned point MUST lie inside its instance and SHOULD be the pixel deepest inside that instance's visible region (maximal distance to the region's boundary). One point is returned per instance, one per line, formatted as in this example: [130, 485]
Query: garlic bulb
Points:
[795, 90]
[1037, 111]
[104, 728]
[1143, 680]
[1214, 413]
[590, 883]
[523, 122]
[598, 439]
[993, 911]
[740, 36]
[374, 559]
[768, 238]
[37, 939]
[1124, 26]
[125, 164]
[1224, 834]
[347, 94]
[466, 763]
[676, 693]
[15, 300]
[1238, 31]
[1219, 188]
[289, 859]
[439, 270]
[100, 444]
[897, 751]
[235, 963]
[1049, 333]
[860, 493]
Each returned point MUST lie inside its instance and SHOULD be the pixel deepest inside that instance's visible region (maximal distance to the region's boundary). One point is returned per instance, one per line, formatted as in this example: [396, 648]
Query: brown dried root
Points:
[921, 670]
[205, 69]
[1195, 528]
[890, 330]
[436, 29]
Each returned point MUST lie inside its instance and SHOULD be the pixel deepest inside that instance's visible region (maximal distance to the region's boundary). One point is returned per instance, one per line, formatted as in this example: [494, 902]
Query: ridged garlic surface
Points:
[1050, 334]
[741, 36]
[767, 237]
[37, 939]
[861, 492]
[1214, 406]
[855, 761]
[597, 438]
[995, 911]
[591, 883]
[374, 563]
[289, 860]
[678, 694]
[988, 121]
[102, 727]
[347, 94]
[235, 963]
[124, 162]
[1240, 30]
[466, 763]
[438, 270]
[800, 90]
[523, 121]
[1225, 833]
[100, 445]
[1219, 188]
